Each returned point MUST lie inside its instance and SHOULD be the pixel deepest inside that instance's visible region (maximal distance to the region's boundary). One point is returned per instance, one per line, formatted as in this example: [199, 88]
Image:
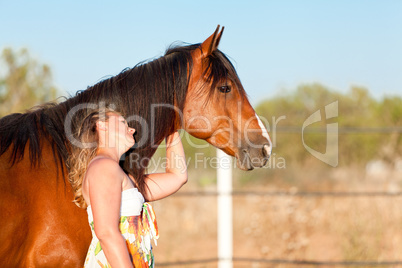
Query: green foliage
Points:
[358, 112]
[390, 111]
[23, 82]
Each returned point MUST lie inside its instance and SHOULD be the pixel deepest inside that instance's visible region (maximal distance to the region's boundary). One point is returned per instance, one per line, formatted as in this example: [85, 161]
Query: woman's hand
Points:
[161, 185]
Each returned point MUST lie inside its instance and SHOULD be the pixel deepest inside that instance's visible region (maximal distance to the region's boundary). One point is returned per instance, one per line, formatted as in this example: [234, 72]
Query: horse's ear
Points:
[212, 42]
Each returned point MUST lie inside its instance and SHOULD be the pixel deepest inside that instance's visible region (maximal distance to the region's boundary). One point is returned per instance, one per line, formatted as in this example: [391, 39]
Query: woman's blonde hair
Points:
[84, 150]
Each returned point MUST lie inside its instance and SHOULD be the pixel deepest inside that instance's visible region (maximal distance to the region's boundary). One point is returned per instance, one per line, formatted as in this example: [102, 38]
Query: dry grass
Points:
[291, 227]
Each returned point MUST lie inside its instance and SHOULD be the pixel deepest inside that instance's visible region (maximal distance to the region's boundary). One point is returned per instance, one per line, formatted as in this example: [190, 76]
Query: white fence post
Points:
[225, 218]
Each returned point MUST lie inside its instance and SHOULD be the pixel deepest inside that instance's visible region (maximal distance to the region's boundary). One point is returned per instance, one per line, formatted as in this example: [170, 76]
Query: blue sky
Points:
[275, 45]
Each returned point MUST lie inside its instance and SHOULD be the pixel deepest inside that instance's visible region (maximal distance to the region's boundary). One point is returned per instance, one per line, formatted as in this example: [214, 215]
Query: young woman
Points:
[122, 223]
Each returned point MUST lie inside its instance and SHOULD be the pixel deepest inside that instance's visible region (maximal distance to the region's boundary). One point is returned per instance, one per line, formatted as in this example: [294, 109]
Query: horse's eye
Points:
[224, 89]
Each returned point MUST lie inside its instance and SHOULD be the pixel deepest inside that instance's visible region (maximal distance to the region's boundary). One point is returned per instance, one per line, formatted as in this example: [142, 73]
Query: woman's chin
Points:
[131, 144]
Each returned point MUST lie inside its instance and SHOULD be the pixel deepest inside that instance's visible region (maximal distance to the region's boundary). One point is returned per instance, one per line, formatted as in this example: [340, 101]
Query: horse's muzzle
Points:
[254, 157]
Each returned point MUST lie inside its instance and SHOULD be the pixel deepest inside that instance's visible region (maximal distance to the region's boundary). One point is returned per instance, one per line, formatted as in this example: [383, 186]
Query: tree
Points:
[24, 82]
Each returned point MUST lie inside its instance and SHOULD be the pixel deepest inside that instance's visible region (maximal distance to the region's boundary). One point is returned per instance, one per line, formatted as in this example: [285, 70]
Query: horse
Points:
[193, 87]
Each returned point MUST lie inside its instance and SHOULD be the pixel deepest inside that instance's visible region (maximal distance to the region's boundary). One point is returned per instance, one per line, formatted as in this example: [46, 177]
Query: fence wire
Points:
[289, 262]
[341, 130]
[286, 194]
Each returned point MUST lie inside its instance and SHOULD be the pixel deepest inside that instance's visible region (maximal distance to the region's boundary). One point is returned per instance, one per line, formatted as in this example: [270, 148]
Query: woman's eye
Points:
[224, 89]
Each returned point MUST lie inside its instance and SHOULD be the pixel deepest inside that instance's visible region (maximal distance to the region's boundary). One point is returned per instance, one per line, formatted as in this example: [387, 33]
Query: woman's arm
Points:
[161, 185]
[105, 185]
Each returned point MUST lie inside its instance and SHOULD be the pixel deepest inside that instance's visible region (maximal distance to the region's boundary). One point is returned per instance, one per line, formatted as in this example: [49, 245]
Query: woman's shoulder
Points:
[103, 165]
[102, 160]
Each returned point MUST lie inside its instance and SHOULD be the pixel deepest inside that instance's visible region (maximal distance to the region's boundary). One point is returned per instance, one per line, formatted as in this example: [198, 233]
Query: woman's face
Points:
[120, 132]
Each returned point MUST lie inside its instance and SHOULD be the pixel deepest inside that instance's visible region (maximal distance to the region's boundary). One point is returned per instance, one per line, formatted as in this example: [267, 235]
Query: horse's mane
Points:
[134, 91]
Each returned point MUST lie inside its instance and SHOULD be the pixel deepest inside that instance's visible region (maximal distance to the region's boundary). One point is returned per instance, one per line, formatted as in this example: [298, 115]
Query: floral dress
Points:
[138, 227]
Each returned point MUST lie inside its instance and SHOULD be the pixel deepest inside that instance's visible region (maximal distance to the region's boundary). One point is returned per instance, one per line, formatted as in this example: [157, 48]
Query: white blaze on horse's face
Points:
[268, 146]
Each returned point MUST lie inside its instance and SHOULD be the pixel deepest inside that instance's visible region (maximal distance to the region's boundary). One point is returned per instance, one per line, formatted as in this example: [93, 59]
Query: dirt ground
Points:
[320, 228]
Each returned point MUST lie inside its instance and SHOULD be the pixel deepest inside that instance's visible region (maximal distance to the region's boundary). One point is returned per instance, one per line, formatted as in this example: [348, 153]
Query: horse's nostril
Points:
[266, 150]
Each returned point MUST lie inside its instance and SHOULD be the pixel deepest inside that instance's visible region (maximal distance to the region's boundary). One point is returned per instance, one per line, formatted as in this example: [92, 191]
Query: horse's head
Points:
[217, 109]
